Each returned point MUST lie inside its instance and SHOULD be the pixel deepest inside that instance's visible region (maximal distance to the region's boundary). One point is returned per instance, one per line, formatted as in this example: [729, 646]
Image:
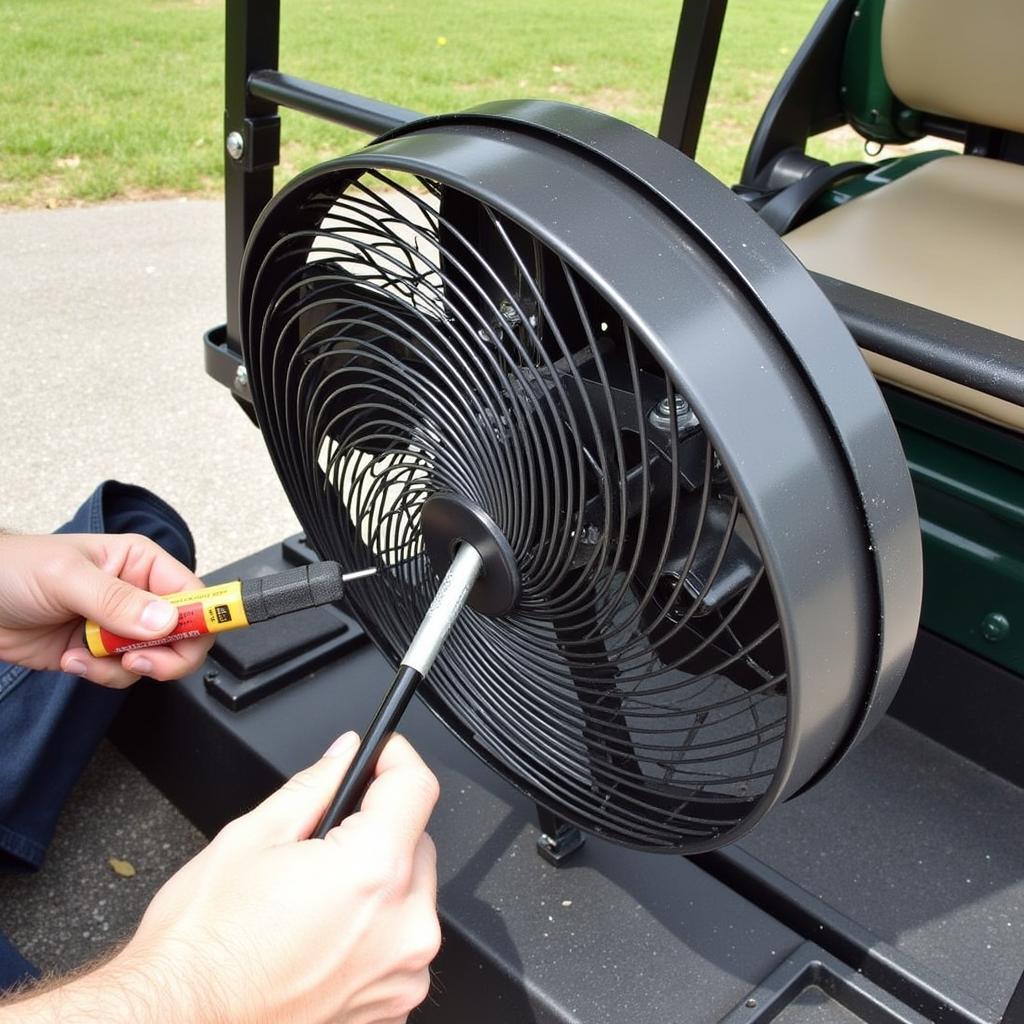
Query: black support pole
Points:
[360, 112]
[689, 78]
[252, 135]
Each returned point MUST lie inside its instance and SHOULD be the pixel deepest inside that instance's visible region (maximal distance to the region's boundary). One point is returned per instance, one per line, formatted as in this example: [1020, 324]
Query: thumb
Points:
[116, 605]
[293, 811]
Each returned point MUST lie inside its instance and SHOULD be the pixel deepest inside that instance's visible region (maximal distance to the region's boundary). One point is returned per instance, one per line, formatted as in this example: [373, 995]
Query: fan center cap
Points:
[449, 520]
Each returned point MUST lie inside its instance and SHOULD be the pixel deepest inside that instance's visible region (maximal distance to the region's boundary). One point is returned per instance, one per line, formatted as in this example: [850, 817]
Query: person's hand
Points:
[49, 584]
[268, 926]
[273, 926]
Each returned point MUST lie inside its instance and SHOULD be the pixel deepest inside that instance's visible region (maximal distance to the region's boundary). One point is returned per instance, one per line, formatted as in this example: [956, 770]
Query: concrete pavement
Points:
[101, 327]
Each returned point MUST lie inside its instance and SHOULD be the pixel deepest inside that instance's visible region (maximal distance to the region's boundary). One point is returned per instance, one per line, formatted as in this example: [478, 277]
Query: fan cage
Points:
[407, 340]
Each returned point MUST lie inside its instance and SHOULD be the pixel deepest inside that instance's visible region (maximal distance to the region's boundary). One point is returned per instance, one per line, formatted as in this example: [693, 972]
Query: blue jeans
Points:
[50, 722]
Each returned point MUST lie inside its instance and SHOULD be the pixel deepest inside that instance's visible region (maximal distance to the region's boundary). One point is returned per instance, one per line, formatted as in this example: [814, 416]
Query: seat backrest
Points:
[962, 59]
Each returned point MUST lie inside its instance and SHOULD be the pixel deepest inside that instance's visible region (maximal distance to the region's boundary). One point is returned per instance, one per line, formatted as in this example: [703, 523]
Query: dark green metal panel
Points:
[870, 104]
[969, 481]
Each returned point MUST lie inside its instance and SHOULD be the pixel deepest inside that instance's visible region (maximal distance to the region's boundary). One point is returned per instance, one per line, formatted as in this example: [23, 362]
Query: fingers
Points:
[168, 576]
[396, 807]
[77, 661]
[172, 662]
[115, 604]
[402, 796]
[291, 813]
[140, 561]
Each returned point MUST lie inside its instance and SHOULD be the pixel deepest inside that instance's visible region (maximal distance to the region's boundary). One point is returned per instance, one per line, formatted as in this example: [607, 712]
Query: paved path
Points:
[101, 325]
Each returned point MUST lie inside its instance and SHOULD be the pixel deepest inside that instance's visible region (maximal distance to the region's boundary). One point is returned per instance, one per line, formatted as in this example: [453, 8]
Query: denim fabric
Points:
[14, 968]
[50, 722]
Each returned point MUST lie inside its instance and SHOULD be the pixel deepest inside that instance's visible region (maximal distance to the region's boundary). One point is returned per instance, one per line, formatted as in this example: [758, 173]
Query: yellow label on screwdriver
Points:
[212, 610]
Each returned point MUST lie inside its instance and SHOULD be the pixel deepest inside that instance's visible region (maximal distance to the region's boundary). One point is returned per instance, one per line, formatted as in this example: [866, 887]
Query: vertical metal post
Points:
[689, 78]
[252, 134]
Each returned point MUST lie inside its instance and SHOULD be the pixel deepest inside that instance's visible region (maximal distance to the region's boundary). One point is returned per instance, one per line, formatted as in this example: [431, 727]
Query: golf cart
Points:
[892, 887]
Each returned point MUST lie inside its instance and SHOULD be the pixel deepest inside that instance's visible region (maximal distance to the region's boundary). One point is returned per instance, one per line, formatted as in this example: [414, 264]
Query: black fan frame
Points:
[805, 391]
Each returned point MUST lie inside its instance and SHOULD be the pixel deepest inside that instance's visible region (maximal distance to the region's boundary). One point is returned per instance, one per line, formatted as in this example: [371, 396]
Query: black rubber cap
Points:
[448, 520]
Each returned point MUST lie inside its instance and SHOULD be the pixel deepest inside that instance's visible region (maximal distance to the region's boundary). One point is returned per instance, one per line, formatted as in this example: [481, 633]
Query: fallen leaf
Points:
[442, 41]
[124, 868]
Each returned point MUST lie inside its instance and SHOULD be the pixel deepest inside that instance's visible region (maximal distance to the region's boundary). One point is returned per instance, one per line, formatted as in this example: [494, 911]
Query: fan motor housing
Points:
[784, 403]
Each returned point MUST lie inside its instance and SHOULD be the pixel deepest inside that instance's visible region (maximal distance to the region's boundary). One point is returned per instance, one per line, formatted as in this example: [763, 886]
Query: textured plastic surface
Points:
[250, 651]
[268, 596]
[643, 938]
[812, 987]
[927, 858]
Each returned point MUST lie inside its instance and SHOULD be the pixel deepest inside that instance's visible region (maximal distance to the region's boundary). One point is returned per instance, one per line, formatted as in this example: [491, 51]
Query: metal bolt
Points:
[235, 145]
[661, 414]
[751, 1004]
[211, 677]
[682, 407]
[995, 627]
[242, 378]
[509, 312]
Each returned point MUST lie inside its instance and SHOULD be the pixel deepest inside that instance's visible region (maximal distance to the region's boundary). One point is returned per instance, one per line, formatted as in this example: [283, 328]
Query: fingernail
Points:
[157, 616]
[142, 665]
[74, 667]
[342, 745]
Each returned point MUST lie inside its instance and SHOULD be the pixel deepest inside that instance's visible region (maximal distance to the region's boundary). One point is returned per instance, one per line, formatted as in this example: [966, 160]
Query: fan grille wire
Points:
[394, 357]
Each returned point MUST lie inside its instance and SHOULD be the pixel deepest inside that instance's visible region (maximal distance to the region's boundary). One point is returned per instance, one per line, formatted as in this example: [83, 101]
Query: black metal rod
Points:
[347, 108]
[449, 600]
[689, 78]
[360, 772]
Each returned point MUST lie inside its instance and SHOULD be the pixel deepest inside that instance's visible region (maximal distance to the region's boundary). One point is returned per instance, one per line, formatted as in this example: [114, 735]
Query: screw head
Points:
[235, 145]
[242, 378]
[995, 627]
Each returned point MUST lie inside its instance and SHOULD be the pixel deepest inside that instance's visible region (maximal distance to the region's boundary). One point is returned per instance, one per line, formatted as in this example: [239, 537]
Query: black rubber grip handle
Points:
[360, 772]
[266, 597]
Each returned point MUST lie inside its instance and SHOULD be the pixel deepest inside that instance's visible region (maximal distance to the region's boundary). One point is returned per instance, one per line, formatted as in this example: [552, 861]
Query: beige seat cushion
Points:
[949, 236]
[959, 58]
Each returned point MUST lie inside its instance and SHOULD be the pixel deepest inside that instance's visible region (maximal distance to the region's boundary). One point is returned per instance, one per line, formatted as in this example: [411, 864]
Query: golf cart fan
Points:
[539, 330]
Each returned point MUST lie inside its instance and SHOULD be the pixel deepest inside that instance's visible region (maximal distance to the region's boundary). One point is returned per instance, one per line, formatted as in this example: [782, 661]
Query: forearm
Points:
[128, 989]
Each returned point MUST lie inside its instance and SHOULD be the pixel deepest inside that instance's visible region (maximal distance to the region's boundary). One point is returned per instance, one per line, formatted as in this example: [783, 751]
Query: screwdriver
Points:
[235, 605]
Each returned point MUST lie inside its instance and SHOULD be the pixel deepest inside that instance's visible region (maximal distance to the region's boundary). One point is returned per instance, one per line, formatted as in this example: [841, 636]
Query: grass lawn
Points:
[112, 98]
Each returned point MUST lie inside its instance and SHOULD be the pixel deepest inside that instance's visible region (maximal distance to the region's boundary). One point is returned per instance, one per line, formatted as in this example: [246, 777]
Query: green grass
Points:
[110, 98]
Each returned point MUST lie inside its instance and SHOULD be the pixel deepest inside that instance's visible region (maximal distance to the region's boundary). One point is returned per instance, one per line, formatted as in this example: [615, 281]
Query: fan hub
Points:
[448, 520]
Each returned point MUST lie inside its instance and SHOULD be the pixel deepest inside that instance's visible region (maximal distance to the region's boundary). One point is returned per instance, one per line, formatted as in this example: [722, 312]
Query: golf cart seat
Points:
[947, 234]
